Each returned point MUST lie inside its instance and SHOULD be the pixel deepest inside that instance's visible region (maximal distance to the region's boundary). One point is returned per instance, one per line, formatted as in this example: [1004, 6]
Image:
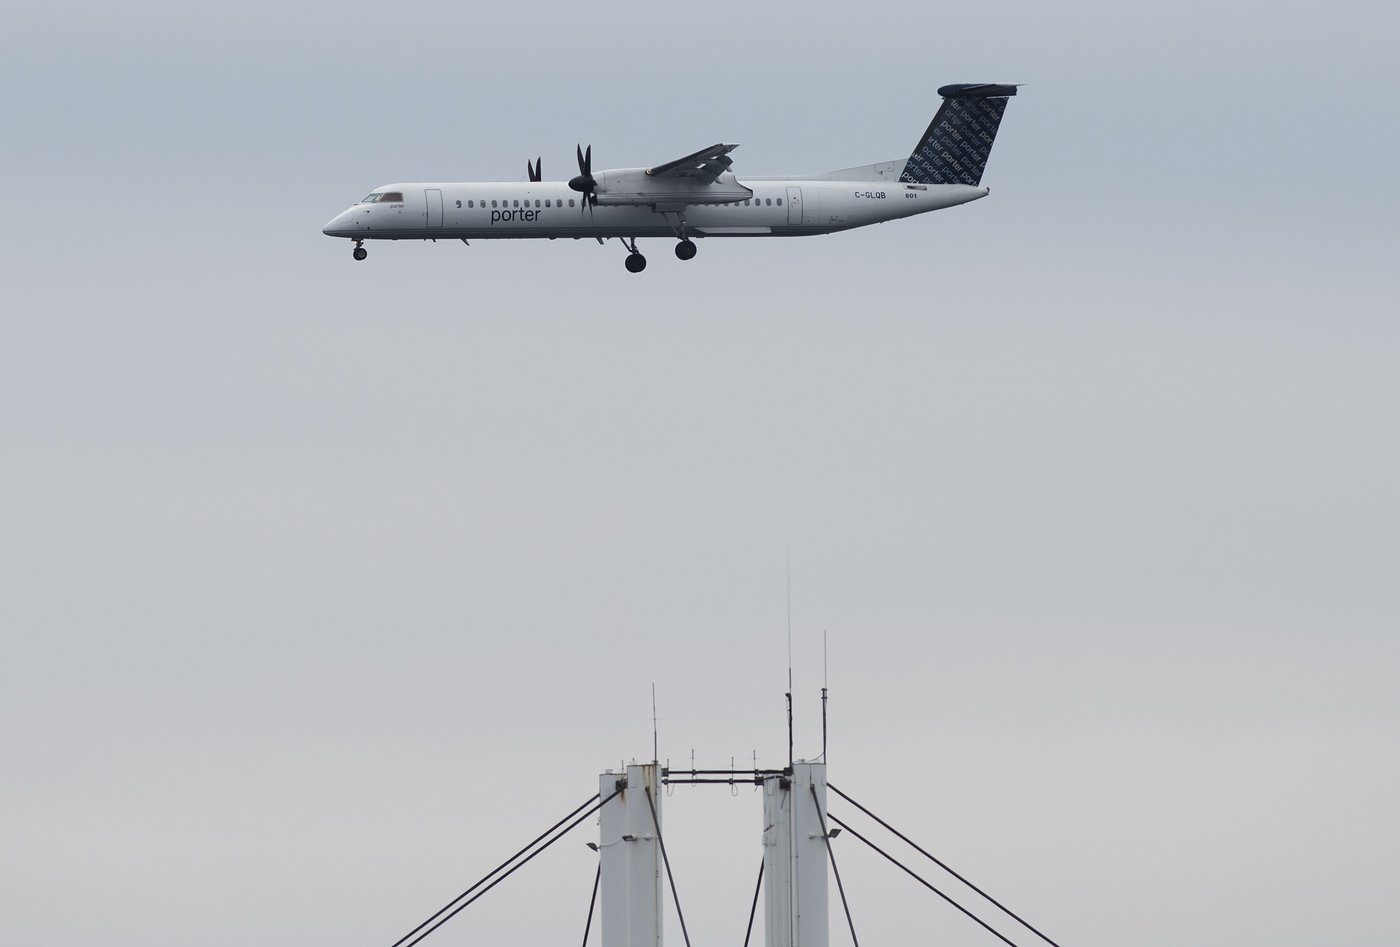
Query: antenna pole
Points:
[789, 709]
[823, 695]
[655, 753]
[791, 758]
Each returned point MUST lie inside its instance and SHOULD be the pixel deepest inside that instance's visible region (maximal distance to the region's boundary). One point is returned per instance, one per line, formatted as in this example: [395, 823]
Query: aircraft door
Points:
[434, 197]
[794, 201]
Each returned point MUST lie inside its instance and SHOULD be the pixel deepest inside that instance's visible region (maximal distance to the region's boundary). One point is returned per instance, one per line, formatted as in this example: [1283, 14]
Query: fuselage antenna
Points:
[655, 740]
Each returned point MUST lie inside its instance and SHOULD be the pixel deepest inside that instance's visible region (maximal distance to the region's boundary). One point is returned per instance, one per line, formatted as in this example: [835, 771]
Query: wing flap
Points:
[705, 165]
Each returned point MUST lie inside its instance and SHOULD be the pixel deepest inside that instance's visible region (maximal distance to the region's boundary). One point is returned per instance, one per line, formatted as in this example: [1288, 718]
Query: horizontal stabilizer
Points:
[976, 90]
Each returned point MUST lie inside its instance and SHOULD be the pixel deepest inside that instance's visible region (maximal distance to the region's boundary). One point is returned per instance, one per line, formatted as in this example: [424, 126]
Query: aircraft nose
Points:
[339, 226]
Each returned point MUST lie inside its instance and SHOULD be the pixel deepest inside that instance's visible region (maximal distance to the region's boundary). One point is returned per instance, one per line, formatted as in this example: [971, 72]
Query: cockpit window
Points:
[384, 197]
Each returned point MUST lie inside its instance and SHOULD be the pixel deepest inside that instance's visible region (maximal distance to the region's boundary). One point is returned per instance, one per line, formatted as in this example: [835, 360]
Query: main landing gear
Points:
[685, 250]
[360, 252]
[635, 261]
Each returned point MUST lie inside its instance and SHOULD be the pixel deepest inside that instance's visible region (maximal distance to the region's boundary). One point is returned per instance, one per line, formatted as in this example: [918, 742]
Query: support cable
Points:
[494, 871]
[921, 881]
[592, 903]
[1024, 923]
[557, 836]
[753, 911]
[831, 856]
[667, 862]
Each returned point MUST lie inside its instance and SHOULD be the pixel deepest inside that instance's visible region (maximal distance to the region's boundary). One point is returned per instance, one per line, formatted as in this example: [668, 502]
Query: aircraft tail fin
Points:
[954, 150]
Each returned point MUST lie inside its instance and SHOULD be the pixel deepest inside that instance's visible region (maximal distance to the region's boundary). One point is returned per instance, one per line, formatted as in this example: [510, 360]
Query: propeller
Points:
[533, 169]
[584, 182]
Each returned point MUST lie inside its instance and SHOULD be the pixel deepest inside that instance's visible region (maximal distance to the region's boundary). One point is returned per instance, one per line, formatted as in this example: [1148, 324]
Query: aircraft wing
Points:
[705, 166]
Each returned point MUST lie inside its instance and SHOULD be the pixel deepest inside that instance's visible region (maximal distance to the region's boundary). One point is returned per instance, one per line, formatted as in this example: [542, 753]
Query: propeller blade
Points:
[584, 182]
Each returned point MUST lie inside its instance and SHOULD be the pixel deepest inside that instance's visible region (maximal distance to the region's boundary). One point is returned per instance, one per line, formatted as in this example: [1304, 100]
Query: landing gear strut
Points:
[685, 250]
[360, 252]
[635, 261]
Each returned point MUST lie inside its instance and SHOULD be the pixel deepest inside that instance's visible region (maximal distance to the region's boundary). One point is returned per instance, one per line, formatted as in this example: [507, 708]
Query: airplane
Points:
[697, 196]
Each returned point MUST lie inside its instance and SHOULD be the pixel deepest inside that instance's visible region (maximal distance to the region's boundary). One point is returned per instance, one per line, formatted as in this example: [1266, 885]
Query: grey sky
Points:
[326, 585]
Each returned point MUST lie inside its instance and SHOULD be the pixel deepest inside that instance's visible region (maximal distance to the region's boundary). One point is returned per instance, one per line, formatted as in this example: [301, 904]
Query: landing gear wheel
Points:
[685, 250]
[636, 262]
[360, 253]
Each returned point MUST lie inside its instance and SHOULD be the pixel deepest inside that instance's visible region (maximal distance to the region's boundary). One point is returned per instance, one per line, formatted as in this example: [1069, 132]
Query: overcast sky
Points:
[327, 585]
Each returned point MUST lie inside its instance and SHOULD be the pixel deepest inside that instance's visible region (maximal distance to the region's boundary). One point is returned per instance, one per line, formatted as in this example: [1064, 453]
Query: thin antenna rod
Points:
[789, 614]
[791, 758]
[823, 695]
[655, 741]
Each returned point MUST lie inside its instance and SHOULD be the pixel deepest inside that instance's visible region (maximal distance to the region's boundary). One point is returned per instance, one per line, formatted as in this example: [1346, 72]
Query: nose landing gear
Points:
[360, 252]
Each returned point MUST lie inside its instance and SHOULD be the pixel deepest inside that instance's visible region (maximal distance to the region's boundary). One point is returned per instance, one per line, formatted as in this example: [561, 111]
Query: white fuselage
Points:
[778, 208]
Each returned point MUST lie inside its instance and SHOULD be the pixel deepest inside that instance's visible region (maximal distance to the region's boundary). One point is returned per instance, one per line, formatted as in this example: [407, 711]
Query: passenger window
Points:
[746, 203]
[493, 203]
[571, 202]
[780, 202]
[459, 204]
[768, 201]
[516, 203]
[537, 202]
[546, 202]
